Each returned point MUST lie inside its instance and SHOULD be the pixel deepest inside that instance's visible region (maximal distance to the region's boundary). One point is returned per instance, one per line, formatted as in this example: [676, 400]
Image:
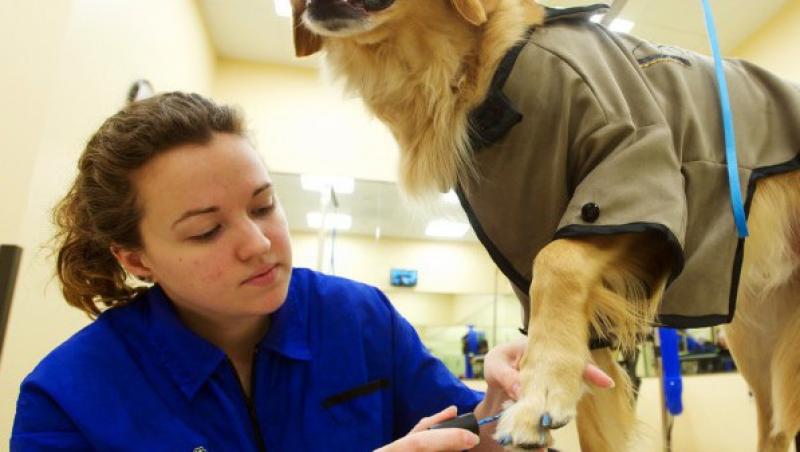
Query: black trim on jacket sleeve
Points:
[579, 230]
[682, 321]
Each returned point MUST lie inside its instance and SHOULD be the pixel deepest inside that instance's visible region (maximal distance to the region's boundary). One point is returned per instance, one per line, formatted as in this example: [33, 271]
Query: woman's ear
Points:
[132, 261]
[306, 43]
[471, 10]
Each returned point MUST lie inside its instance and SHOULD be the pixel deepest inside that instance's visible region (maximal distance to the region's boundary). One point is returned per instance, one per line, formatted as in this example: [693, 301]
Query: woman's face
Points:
[214, 235]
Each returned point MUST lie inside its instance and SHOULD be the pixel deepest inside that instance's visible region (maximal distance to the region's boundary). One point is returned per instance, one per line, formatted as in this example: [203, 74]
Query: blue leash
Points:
[727, 122]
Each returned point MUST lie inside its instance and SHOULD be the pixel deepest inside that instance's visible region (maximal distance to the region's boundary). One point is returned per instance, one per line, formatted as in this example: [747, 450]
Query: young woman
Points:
[221, 345]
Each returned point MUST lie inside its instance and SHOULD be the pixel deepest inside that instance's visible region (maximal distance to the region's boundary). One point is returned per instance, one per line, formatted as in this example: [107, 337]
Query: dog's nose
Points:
[366, 5]
[328, 10]
[376, 5]
[325, 3]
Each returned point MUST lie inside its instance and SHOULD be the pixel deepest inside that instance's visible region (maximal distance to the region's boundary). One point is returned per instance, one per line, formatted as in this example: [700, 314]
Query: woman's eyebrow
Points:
[194, 212]
[262, 188]
[204, 210]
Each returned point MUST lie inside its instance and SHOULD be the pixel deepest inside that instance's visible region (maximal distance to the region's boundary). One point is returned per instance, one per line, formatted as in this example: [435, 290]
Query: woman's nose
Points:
[254, 241]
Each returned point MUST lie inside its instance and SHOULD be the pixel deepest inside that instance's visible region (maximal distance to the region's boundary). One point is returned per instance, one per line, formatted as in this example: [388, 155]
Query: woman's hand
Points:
[420, 439]
[501, 370]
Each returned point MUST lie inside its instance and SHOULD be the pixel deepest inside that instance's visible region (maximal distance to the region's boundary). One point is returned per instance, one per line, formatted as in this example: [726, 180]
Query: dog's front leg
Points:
[566, 272]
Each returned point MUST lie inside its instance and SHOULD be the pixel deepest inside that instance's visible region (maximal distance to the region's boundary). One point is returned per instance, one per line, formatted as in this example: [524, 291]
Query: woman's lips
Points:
[263, 277]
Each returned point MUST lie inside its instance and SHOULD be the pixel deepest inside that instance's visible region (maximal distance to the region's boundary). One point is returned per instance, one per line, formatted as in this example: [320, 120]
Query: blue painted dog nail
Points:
[504, 440]
[546, 420]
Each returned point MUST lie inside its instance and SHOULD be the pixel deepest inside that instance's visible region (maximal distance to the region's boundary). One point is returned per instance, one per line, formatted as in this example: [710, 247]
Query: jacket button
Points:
[590, 212]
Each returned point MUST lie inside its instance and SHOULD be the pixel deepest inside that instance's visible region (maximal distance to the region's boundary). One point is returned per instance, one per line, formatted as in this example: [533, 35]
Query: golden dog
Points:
[422, 67]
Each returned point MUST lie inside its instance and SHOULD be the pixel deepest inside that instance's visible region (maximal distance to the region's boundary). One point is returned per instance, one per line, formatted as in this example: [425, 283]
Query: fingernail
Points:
[546, 421]
[504, 440]
[474, 440]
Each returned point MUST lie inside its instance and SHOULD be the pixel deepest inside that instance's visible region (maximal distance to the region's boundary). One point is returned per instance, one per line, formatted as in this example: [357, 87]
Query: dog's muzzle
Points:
[331, 12]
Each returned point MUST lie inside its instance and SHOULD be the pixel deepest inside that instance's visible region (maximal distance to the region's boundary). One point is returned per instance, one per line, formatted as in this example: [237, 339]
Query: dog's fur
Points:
[421, 67]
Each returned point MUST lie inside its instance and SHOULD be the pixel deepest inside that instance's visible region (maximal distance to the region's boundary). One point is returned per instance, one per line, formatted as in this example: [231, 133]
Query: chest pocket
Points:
[358, 404]
[352, 419]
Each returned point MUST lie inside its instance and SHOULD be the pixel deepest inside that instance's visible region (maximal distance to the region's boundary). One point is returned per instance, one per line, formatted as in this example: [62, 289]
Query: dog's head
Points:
[317, 20]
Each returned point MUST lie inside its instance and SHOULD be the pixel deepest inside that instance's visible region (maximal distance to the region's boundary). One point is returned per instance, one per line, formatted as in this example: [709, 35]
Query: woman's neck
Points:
[236, 336]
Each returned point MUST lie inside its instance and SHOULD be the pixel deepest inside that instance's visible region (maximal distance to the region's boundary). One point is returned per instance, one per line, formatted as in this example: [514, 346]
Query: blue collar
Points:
[288, 329]
[191, 360]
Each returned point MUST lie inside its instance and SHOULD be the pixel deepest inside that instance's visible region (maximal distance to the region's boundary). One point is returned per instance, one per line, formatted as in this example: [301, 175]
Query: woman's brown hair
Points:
[101, 210]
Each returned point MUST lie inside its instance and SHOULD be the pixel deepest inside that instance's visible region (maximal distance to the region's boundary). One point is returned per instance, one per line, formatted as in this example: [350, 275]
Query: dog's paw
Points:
[548, 402]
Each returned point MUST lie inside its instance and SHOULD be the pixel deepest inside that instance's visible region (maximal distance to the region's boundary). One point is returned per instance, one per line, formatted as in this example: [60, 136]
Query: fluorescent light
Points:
[324, 183]
[283, 8]
[450, 197]
[446, 228]
[339, 221]
[618, 25]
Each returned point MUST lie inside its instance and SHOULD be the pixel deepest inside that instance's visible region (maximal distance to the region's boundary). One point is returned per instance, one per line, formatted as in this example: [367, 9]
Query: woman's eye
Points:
[261, 211]
[206, 235]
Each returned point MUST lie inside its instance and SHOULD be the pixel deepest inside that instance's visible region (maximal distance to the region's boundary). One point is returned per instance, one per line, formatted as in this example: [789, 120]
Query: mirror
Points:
[372, 230]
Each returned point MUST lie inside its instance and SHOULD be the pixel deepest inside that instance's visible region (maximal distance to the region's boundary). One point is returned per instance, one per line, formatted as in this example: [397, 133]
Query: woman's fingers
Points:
[594, 376]
[445, 439]
[428, 422]
[420, 439]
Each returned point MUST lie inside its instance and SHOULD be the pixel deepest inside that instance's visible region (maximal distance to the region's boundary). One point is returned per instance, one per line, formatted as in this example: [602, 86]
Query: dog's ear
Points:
[471, 10]
[305, 42]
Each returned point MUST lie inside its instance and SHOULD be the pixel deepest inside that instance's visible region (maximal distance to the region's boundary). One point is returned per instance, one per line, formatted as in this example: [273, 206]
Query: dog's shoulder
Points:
[575, 34]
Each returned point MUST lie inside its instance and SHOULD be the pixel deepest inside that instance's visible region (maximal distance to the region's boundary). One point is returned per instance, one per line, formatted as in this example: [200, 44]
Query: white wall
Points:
[776, 45]
[28, 51]
[67, 65]
[304, 125]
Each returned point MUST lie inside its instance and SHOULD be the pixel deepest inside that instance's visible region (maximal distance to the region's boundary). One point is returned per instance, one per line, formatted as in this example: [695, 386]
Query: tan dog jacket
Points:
[586, 132]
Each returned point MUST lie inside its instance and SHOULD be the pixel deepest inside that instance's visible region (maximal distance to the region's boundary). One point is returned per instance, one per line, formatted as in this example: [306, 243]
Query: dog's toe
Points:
[547, 422]
[527, 424]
